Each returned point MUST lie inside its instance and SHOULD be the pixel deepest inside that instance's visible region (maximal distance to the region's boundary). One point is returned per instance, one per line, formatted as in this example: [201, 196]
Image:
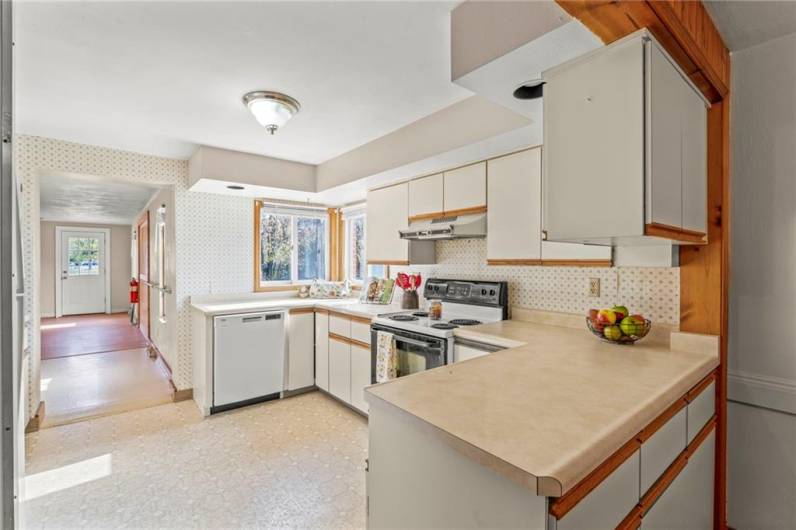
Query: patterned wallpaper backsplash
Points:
[651, 291]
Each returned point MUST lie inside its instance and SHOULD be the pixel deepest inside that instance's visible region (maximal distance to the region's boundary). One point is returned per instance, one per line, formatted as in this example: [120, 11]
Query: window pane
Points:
[357, 252]
[377, 271]
[275, 247]
[83, 256]
[311, 241]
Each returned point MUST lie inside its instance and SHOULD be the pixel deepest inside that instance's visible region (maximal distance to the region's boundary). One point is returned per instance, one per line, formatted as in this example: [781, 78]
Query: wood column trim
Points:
[336, 245]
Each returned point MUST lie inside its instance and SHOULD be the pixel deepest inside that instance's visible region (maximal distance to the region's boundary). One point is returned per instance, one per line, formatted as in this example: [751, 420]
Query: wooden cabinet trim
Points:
[388, 262]
[301, 310]
[424, 216]
[632, 521]
[321, 310]
[674, 233]
[576, 262]
[513, 262]
[361, 320]
[647, 432]
[346, 340]
[671, 473]
[562, 505]
[700, 387]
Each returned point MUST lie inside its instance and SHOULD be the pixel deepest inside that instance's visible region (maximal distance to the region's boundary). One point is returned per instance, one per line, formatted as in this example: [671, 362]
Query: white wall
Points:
[762, 335]
[212, 233]
[119, 265]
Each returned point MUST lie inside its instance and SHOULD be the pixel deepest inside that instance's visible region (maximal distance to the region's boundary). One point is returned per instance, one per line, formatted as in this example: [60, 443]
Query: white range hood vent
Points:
[455, 227]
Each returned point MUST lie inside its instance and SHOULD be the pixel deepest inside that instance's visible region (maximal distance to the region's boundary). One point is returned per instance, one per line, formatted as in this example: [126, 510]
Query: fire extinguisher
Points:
[133, 291]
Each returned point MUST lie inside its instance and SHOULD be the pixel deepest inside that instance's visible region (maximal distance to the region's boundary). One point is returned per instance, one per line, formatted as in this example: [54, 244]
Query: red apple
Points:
[606, 317]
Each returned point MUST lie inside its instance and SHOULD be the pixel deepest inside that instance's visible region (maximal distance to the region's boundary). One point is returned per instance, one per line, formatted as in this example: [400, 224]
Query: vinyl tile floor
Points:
[77, 387]
[298, 462]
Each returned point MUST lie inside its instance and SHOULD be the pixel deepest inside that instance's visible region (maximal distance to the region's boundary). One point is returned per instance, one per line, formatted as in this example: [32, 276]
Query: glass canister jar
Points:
[435, 310]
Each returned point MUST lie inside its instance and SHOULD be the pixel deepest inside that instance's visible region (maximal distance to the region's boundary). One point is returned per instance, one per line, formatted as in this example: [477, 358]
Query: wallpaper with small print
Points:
[651, 291]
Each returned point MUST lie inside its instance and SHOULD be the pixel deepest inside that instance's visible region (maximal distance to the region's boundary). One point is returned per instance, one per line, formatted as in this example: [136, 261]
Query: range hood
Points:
[454, 227]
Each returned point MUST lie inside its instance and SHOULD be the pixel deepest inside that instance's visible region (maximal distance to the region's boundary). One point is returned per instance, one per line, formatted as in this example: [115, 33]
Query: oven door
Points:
[416, 352]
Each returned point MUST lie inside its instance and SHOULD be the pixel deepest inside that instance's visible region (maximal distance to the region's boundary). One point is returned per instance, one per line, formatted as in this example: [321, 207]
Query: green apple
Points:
[621, 312]
[632, 326]
[612, 332]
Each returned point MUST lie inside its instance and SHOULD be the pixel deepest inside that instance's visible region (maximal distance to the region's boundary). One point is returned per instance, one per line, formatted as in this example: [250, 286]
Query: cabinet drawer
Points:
[607, 504]
[340, 325]
[700, 409]
[360, 331]
[662, 448]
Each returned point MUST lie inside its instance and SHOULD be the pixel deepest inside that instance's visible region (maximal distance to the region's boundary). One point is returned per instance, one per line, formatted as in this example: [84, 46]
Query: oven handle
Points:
[420, 343]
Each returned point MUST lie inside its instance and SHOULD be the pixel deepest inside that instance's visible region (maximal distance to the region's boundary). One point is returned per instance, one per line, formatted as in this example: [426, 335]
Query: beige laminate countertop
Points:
[350, 306]
[547, 412]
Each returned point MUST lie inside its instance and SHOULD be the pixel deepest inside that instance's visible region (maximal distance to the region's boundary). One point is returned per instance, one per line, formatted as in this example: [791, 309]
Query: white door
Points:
[83, 271]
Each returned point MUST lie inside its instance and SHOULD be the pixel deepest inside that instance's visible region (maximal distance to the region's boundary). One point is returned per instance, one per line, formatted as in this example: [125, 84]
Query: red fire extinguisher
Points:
[133, 291]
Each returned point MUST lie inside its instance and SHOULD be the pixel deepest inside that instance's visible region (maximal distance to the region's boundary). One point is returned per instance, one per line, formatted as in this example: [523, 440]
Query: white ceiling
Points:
[86, 199]
[160, 78]
[746, 23]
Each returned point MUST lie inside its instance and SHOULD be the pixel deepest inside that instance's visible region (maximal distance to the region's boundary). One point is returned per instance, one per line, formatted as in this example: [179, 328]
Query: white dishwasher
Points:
[248, 358]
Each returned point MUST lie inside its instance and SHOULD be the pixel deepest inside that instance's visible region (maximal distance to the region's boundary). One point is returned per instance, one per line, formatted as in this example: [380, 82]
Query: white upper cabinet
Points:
[514, 187]
[625, 149]
[387, 213]
[465, 188]
[514, 191]
[425, 196]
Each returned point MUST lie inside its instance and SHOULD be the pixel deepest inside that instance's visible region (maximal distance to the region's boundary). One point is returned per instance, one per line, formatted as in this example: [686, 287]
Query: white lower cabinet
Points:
[340, 369]
[301, 350]
[688, 501]
[322, 350]
[360, 376]
[608, 504]
[662, 448]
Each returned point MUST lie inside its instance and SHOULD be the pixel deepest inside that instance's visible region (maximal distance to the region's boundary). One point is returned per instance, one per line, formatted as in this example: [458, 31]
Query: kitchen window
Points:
[356, 266]
[291, 245]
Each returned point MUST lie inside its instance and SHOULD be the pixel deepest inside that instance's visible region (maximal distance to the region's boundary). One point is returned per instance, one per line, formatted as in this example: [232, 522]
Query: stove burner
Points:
[464, 322]
[421, 314]
[443, 326]
[403, 318]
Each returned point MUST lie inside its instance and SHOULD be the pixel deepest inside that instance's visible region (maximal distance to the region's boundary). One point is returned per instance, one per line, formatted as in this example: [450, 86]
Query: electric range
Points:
[423, 343]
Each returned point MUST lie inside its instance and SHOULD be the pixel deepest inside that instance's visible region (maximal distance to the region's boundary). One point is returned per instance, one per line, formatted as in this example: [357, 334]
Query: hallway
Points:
[95, 365]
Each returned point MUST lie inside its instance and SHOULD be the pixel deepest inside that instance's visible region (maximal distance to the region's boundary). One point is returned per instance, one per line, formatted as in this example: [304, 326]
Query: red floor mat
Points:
[78, 335]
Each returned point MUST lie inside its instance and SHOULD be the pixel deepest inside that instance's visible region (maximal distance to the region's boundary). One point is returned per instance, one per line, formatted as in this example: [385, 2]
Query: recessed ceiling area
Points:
[163, 77]
[746, 23]
[86, 199]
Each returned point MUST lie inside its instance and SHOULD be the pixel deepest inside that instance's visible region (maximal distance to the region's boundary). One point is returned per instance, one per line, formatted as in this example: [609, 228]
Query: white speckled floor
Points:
[294, 463]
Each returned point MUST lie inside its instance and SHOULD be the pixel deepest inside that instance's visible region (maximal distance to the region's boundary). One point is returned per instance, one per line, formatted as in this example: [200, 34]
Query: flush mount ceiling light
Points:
[271, 109]
[530, 90]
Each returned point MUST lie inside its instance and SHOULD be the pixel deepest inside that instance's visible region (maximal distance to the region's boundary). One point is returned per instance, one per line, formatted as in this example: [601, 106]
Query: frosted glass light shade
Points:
[272, 110]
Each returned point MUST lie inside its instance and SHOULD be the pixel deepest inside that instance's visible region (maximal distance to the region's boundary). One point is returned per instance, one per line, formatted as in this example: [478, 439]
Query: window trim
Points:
[294, 213]
[347, 220]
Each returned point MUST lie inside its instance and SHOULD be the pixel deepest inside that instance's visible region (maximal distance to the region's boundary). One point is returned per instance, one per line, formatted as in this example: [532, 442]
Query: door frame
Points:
[57, 262]
[141, 220]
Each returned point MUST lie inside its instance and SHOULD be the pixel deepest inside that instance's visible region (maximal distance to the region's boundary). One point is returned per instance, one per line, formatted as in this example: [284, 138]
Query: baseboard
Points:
[182, 395]
[47, 315]
[774, 393]
[36, 421]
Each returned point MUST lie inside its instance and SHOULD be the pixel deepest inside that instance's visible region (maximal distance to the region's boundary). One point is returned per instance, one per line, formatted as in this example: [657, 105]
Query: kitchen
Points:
[450, 288]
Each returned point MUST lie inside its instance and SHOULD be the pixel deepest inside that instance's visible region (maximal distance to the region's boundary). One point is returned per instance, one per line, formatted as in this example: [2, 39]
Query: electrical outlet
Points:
[594, 287]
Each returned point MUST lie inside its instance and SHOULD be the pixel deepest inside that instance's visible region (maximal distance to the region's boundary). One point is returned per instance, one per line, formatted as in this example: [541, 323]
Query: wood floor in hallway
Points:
[297, 462]
[83, 334]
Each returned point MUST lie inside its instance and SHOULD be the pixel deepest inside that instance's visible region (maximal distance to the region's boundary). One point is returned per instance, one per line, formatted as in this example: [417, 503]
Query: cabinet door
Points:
[664, 140]
[425, 195]
[695, 162]
[322, 350]
[565, 252]
[465, 187]
[593, 164]
[688, 501]
[301, 351]
[514, 186]
[340, 325]
[387, 213]
[340, 369]
[360, 376]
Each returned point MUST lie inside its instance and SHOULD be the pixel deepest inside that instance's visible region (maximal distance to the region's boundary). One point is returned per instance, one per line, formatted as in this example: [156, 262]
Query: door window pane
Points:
[275, 247]
[83, 256]
[311, 241]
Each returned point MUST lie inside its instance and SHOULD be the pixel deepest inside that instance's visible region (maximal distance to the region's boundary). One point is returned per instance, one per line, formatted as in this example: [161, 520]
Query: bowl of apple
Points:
[617, 325]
